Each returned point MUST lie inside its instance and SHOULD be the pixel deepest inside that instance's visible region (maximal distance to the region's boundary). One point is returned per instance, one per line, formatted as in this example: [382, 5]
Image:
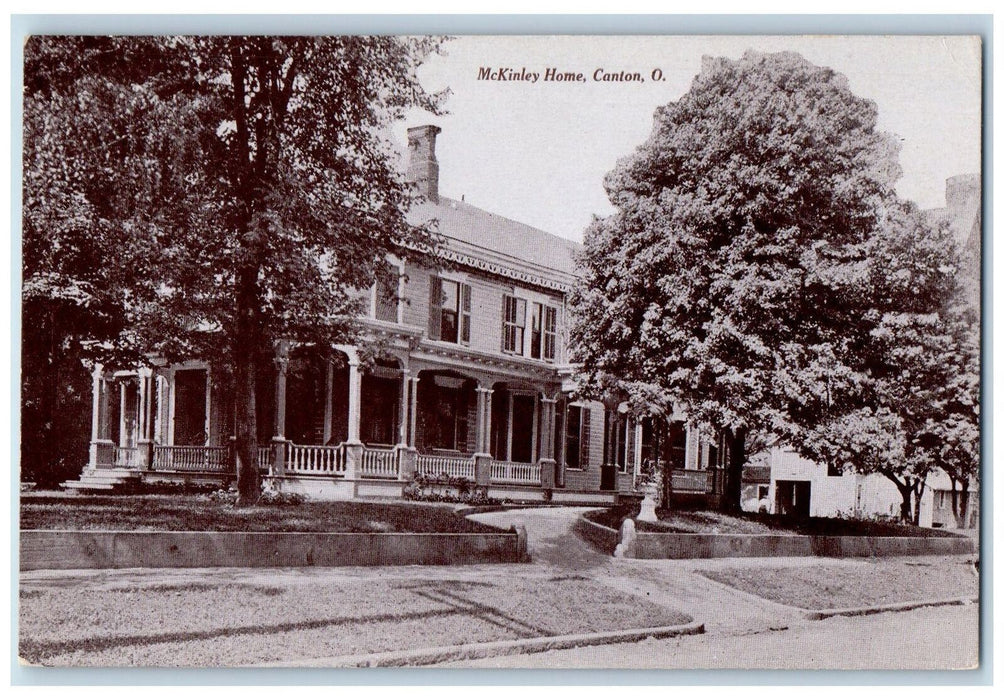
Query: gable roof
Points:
[469, 229]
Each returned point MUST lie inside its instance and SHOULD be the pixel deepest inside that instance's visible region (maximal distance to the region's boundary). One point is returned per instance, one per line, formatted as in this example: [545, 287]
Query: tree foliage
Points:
[228, 191]
[756, 258]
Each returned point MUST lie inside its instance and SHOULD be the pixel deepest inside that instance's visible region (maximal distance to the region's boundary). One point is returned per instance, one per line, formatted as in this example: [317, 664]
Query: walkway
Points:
[674, 584]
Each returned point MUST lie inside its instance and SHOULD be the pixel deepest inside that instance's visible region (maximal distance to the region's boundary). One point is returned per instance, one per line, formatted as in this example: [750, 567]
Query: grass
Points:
[758, 523]
[193, 513]
[218, 622]
[856, 584]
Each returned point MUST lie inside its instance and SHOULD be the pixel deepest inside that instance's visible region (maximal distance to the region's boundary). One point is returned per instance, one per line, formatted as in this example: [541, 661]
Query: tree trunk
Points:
[918, 494]
[245, 354]
[732, 493]
[906, 493]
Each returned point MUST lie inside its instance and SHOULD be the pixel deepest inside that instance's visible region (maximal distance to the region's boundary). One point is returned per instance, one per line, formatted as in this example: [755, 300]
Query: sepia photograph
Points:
[500, 352]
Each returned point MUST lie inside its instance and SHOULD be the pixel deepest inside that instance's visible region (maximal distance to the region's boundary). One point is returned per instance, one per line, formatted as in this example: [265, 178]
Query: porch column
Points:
[329, 390]
[145, 441]
[354, 446]
[96, 401]
[209, 406]
[406, 456]
[413, 413]
[403, 420]
[279, 428]
[482, 458]
[122, 414]
[547, 406]
[483, 424]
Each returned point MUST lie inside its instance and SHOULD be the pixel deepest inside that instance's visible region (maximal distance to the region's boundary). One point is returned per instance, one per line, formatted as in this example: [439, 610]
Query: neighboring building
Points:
[963, 212]
[472, 381]
[799, 486]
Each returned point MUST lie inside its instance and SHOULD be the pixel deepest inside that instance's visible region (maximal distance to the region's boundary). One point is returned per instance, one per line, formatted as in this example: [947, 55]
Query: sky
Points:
[538, 152]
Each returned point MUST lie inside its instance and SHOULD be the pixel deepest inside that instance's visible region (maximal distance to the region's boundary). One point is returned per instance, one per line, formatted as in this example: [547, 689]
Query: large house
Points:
[471, 380]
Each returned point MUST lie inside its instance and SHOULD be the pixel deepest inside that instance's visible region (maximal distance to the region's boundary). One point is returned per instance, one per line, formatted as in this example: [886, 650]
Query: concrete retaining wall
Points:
[671, 545]
[82, 549]
[603, 538]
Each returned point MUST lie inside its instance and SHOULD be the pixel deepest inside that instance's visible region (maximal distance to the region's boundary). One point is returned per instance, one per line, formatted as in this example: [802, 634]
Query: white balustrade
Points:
[515, 472]
[201, 458]
[434, 465]
[380, 463]
[315, 459]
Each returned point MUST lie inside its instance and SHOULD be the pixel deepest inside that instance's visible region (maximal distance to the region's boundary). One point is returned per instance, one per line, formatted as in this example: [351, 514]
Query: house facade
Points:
[798, 486]
[463, 373]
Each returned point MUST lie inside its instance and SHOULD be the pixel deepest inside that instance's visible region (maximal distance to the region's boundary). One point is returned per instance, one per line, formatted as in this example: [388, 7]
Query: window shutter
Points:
[465, 313]
[584, 438]
[435, 307]
[505, 316]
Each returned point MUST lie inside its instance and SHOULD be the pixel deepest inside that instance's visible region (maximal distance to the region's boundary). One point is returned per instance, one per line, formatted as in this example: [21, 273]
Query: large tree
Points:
[253, 175]
[734, 267]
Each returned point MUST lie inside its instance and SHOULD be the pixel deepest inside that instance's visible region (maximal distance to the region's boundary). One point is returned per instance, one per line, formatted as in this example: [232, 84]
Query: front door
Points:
[522, 428]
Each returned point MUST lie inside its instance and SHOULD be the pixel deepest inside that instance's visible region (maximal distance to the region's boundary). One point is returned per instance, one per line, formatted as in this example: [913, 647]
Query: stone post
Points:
[279, 427]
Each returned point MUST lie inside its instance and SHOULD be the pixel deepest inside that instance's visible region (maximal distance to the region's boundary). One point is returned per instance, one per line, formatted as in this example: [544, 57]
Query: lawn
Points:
[215, 621]
[684, 521]
[856, 584]
[194, 512]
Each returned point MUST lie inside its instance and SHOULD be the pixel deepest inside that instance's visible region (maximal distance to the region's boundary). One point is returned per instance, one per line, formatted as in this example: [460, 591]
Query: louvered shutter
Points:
[465, 313]
[587, 416]
[435, 306]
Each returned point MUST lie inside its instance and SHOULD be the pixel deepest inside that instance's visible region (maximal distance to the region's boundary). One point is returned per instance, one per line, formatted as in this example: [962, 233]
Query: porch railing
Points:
[698, 481]
[264, 458]
[434, 465]
[315, 459]
[515, 472]
[379, 463]
[200, 458]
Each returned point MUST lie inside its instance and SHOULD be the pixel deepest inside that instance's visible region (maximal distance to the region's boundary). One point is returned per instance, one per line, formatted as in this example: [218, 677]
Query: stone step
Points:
[82, 486]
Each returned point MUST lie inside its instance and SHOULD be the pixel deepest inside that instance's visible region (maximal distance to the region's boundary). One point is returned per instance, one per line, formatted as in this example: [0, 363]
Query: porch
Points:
[334, 420]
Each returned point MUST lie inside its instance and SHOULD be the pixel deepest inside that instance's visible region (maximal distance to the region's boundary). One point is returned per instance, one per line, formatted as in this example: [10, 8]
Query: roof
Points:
[460, 223]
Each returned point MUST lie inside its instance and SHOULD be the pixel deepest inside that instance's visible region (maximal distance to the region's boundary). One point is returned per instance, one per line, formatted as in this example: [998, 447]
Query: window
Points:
[550, 333]
[385, 293]
[513, 325]
[449, 311]
[678, 445]
[536, 337]
[573, 425]
[622, 441]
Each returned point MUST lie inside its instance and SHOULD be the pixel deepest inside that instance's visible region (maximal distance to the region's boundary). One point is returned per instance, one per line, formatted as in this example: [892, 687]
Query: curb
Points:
[481, 650]
[888, 607]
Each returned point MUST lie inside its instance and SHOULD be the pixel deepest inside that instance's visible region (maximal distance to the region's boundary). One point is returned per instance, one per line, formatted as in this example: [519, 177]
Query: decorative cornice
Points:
[496, 268]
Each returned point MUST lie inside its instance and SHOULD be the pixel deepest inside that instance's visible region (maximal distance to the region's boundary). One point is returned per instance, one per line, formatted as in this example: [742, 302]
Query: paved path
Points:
[671, 583]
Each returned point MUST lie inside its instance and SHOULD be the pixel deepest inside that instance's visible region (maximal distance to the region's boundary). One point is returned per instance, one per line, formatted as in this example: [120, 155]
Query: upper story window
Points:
[550, 333]
[385, 294]
[513, 325]
[449, 310]
[542, 326]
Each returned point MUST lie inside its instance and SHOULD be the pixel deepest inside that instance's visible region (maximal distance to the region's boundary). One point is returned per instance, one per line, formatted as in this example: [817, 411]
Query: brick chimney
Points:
[423, 168]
